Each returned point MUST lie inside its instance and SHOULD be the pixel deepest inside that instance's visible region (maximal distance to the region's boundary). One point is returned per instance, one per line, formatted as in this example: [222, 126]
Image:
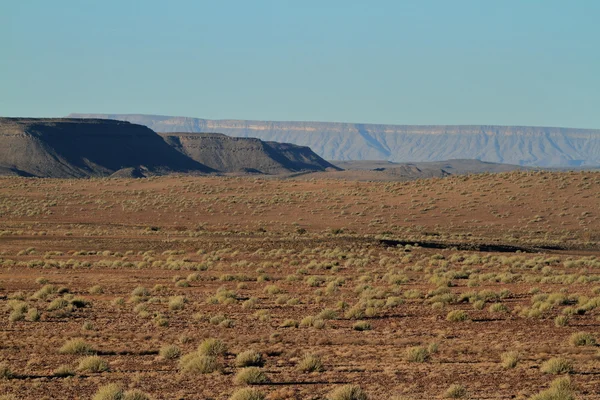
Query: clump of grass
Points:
[582, 339]
[5, 371]
[289, 323]
[362, 326]
[249, 358]
[510, 359]
[63, 371]
[212, 347]
[250, 376]
[77, 346]
[355, 312]
[417, 354]
[457, 316]
[198, 363]
[498, 308]
[57, 304]
[33, 315]
[247, 394]
[94, 364]
[118, 301]
[87, 326]
[311, 363]
[557, 365]
[479, 305]
[112, 391]
[327, 314]
[347, 392]
[140, 291]
[176, 303]
[561, 320]
[272, 289]
[169, 352]
[96, 289]
[16, 315]
[455, 391]
[44, 292]
[560, 389]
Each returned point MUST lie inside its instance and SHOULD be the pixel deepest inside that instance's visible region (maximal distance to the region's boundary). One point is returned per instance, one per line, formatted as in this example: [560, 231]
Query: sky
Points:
[508, 62]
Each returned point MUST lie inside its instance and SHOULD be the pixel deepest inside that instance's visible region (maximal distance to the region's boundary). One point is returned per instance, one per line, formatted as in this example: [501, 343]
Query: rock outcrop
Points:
[249, 155]
[75, 148]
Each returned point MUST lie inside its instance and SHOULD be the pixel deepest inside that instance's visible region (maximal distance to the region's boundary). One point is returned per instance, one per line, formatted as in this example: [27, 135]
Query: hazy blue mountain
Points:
[526, 146]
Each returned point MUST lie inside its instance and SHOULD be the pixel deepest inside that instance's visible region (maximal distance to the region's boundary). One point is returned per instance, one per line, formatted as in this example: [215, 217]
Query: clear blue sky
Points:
[405, 62]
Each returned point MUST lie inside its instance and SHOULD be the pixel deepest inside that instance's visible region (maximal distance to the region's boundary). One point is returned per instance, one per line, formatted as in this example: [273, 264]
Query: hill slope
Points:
[528, 146]
[454, 167]
[373, 170]
[232, 154]
[75, 148]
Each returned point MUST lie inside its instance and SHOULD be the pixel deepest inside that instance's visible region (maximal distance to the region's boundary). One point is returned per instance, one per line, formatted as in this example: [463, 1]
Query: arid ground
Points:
[479, 287]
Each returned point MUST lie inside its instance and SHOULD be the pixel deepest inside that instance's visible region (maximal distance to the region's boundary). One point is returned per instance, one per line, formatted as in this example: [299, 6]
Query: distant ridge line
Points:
[519, 145]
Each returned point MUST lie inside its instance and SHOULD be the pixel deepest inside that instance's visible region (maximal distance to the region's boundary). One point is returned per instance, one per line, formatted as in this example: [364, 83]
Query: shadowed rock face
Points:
[75, 148]
[527, 146]
[233, 154]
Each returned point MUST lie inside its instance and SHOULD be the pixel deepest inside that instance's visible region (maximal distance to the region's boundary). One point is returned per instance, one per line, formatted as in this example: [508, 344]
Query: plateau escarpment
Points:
[519, 145]
[75, 148]
[234, 154]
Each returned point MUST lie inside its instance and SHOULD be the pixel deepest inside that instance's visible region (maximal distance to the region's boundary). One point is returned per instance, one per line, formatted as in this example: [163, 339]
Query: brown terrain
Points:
[481, 287]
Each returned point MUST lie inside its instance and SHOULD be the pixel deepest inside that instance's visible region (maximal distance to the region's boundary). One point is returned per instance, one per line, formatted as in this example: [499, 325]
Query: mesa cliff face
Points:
[527, 146]
[233, 154]
[75, 148]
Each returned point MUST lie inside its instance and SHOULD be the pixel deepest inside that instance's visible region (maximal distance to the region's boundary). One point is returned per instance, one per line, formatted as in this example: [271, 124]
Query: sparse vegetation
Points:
[285, 306]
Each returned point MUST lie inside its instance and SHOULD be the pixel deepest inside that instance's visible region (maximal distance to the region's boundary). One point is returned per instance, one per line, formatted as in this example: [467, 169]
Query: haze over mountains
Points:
[526, 146]
[79, 148]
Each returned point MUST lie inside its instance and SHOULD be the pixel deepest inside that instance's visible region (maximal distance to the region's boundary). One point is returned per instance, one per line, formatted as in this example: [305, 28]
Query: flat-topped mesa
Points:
[235, 154]
[76, 148]
[519, 145]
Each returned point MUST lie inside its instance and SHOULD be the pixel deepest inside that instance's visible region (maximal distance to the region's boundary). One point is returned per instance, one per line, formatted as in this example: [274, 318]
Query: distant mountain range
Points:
[525, 146]
[79, 148]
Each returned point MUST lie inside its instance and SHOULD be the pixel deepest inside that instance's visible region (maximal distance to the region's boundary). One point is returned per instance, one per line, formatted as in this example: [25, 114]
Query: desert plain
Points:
[179, 287]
